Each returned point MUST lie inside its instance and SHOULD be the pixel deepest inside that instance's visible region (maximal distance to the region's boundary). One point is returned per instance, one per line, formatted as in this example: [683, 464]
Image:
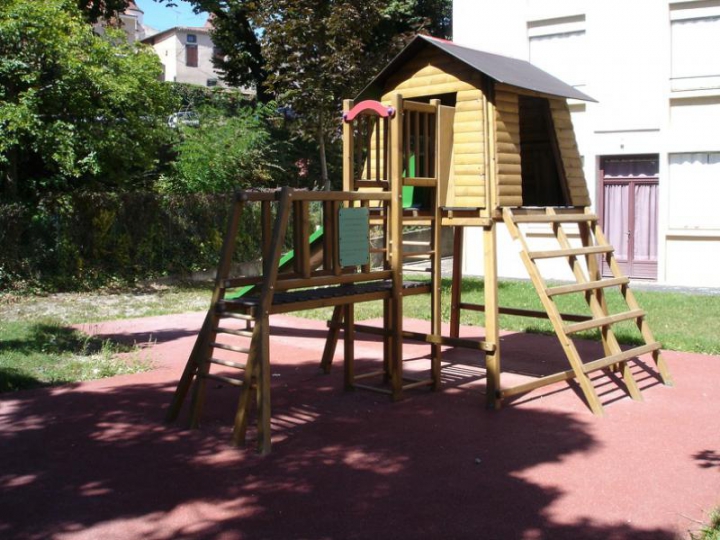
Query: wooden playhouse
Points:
[444, 136]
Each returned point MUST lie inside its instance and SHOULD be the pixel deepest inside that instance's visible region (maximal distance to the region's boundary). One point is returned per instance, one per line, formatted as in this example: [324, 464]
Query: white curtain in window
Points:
[696, 47]
[646, 218]
[694, 190]
[615, 218]
[562, 55]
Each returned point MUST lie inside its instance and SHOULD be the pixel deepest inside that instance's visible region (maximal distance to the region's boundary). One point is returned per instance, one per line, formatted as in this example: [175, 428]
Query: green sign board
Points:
[354, 226]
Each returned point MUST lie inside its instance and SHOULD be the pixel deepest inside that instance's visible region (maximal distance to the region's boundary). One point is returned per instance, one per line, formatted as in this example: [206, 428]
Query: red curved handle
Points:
[369, 105]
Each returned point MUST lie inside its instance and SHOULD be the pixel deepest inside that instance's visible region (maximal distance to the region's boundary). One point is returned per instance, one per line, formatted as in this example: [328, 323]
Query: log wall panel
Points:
[570, 156]
[507, 148]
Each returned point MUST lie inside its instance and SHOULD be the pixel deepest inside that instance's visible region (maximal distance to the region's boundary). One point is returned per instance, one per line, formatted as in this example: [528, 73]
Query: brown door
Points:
[629, 212]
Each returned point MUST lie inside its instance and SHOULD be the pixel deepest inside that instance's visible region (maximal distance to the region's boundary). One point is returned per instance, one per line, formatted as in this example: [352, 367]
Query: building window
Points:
[191, 55]
[212, 82]
[694, 189]
[558, 46]
[695, 32]
[191, 38]
[217, 53]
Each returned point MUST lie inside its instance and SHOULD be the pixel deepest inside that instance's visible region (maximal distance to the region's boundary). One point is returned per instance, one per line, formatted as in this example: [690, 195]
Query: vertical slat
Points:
[304, 235]
[328, 235]
[348, 150]
[337, 269]
[386, 153]
[266, 223]
[426, 146]
[378, 154]
[366, 267]
[416, 142]
[406, 154]
[368, 145]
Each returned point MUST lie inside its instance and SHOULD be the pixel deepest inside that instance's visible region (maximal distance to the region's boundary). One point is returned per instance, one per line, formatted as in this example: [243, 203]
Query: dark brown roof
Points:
[503, 69]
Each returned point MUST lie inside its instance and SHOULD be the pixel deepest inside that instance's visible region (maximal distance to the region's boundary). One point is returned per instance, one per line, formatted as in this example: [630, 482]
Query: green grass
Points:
[37, 348]
[45, 353]
[683, 322]
[711, 531]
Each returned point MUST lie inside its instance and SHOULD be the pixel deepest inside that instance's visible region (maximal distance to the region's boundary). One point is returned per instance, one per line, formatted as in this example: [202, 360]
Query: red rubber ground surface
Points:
[94, 460]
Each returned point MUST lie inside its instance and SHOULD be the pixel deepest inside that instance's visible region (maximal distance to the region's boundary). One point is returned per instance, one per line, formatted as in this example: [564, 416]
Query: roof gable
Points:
[503, 69]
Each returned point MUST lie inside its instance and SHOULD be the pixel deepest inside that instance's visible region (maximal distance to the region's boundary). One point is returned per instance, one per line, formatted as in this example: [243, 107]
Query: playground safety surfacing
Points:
[94, 460]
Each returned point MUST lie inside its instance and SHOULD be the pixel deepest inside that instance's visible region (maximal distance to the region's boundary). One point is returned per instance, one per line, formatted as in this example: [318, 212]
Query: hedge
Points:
[75, 242]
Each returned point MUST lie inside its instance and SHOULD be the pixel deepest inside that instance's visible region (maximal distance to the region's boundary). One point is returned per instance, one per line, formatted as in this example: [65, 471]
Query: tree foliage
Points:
[77, 110]
[225, 152]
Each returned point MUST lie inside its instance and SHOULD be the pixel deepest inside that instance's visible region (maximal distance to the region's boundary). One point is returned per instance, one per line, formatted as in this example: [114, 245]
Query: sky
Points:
[161, 17]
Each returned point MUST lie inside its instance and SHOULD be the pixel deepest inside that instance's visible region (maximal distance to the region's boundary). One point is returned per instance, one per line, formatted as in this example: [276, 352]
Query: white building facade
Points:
[651, 145]
[187, 55]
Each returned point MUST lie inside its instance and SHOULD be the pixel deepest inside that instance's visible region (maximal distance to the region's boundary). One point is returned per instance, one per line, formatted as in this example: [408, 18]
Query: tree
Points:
[318, 52]
[76, 110]
[225, 152]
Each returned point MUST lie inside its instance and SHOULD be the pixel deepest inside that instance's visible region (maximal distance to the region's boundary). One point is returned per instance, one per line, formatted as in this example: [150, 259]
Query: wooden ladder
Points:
[255, 370]
[592, 285]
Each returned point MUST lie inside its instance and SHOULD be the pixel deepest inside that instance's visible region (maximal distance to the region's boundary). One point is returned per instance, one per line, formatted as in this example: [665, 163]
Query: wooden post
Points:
[348, 150]
[349, 342]
[396, 227]
[492, 330]
[455, 290]
[435, 230]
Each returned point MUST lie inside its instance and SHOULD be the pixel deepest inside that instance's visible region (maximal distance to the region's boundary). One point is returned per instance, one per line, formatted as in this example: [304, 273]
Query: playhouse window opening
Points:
[543, 180]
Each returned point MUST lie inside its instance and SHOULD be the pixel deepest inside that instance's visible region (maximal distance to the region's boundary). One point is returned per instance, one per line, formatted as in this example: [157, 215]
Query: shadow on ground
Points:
[99, 462]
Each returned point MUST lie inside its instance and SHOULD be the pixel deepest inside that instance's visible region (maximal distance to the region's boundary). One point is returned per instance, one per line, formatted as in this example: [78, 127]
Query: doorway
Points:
[629, 212]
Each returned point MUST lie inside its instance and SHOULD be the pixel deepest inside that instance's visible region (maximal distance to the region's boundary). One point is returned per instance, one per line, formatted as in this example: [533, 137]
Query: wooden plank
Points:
[570, 252]
[620, 357]
[589, 286]
[418, 106]
[558, 218]
[227, 363]
[604, 321]
[419, 181]
[520, 312]
[222, 378]
[430, 90]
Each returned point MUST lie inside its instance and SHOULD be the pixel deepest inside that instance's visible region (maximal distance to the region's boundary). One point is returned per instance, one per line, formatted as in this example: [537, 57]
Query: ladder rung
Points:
[416, 384]
[418, 255]
[232, 348]
[620, 357]
[221, 378]
[232, 315]
[415, 243]
[604, 321]
[241, 333]
[589, 286]
[570, 252]
[553, 218]
[226, 363]
[368, 374]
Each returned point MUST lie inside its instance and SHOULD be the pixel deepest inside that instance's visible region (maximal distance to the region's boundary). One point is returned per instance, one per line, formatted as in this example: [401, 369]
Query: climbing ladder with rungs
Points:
[591, 283]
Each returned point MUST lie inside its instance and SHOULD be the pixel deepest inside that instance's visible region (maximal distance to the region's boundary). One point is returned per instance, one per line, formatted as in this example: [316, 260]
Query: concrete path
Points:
[94, 460]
